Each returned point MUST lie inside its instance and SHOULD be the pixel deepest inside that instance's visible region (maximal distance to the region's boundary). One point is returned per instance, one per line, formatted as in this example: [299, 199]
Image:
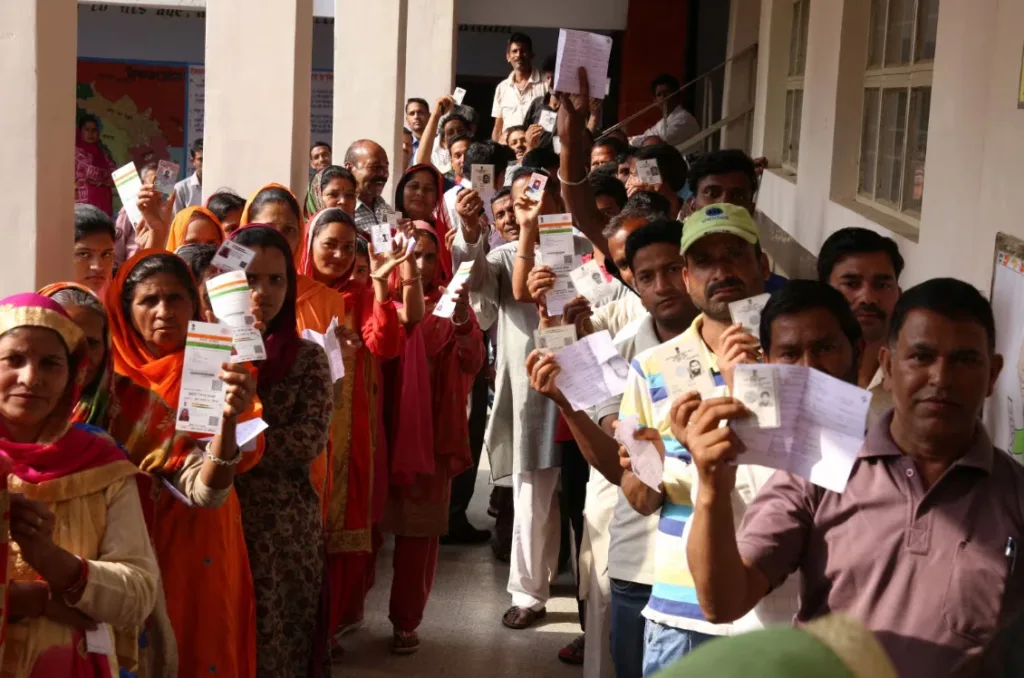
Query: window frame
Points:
[796, 68]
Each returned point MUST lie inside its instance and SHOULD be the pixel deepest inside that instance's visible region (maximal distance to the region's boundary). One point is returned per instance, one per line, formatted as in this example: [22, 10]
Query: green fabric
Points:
[780, 652]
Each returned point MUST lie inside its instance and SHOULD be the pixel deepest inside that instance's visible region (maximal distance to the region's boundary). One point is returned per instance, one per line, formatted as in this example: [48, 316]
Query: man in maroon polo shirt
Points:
[922, 545]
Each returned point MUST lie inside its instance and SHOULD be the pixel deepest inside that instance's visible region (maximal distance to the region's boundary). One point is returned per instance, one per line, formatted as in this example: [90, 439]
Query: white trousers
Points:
[597, 657]
[536, 537]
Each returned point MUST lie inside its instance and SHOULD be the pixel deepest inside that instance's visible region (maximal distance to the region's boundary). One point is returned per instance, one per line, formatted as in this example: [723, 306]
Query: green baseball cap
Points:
[719, 218]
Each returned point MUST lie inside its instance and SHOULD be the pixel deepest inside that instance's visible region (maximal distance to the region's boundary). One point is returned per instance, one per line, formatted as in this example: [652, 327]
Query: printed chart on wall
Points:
[140, 106]
[1004, 415]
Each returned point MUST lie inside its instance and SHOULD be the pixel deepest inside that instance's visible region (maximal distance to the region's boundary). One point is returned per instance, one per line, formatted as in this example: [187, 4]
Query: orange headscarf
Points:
[246, 219]
[179, 227]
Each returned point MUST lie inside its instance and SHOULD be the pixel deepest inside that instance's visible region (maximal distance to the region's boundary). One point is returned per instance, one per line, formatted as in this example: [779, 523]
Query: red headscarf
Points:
[431, 288]
[308, 267]
[439, 215]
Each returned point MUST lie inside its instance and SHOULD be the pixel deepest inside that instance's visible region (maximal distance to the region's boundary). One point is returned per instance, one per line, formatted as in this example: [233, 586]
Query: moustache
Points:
[714, 287]
[873, 309]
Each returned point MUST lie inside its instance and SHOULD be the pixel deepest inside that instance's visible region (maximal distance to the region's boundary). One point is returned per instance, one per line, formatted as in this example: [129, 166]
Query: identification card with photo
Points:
[755, 387]
[128, 183]
[547, 120]
[648, 172]
[459, 94]
[231, 299]
[483, 180]
[589, 281]
[684, 368]
[446, 305]
[747, 312]
[380, 236]
[554, 338]
[232, 257]
[201, 404]
[247, 345]
[558, 251]
[535, 189]
[166, 176]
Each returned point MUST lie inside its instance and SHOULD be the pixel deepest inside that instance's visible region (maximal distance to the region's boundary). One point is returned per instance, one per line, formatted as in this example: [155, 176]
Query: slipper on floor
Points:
[573, 652]
[405, 642]
[520, 618]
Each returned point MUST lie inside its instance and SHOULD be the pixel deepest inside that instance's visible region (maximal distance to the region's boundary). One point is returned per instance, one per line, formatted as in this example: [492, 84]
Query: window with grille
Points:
[795, 84]
[897, 101]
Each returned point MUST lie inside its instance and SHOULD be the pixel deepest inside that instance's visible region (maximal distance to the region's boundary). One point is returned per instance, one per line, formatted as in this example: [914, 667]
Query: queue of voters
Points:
[239, 407]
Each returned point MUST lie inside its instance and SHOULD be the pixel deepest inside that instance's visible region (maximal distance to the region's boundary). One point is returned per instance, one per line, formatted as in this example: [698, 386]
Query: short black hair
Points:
[856, 240]
[223, 203]
[657, 232]
[541, 158]
[631, 213]
[603, 183]
[515, 128]
[549, 64]
[625, 156]
[88, 117]
[417, 100]
[518, 38]
[274, 196]
[951, 298]
[460, 137]
[525, 172]
[362, 247]
[198, 257]
[723, 161]
[796, 296]
[333, 172]
[467, 112]
[665, 79]
[318, 144]
[91, 220]
[195, 147]
[447, 119]
[486, 153]
[615, 144]
[503, 192]
[671, 164]
[649, 200]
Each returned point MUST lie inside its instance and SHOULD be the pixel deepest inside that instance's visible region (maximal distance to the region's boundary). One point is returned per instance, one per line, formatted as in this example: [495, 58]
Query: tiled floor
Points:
[462, 634]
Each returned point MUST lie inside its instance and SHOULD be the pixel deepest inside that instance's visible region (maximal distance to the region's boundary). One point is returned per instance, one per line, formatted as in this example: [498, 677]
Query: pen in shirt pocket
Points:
[1011, 554]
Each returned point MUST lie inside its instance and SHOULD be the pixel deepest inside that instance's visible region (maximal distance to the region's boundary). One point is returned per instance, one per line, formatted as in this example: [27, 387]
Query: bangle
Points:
[224, 462]
[379, 279]
[528, 257]
[571, 183]
[76, 589]
[457, 324]
[412, 281]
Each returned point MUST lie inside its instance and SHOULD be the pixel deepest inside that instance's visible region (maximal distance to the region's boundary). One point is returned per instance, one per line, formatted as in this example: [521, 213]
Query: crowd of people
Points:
[142, 549]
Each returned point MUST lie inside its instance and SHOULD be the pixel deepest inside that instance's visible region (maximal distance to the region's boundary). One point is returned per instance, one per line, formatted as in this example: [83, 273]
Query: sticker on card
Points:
[755, 387]
[747, 312]
[232, 257]
[648, 172]
[547, 120]
[535, 189]
[166, 176]
[459, 94]
[554, 338]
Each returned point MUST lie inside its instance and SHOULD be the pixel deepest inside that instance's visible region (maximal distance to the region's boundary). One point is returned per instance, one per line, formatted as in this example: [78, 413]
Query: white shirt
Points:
[188, 193]
[510, 103]
[674, 129]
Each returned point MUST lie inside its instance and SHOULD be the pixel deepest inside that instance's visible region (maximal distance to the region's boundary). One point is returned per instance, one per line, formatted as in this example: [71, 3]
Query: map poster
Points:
[140, 107]
[1004, 414]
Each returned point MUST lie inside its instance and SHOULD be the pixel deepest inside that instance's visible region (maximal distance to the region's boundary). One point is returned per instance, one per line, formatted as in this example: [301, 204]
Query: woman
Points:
[356, 491]
[227, 207]
[276, 206]
[331, 187]
[97, 566]
[419, 197]
[194, 226]
[93, 167]
[280, 507]
[430, 450]
[201, 551]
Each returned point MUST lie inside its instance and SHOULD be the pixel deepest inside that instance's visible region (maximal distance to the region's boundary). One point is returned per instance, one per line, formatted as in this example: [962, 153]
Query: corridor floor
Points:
[462, 634]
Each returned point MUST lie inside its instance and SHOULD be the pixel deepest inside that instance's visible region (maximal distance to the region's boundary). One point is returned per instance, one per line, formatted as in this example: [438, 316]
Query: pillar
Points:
[369, 78]
[258, 71]
[430, 49]
[38, 46]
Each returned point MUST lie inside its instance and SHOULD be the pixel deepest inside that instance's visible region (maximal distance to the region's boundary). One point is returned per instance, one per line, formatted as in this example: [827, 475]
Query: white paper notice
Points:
[648, 172]
[459, 95]
[684, 368]
[329, 343]
[128, 183]
[547, 120]
[554, 338]
[558, 250]
[98, 640]
[589, 50]
[446, 306]
[821, 431]
[592, 371]
[232, 257]
[589, 281]
[231, 299]
[747, 312]
[201, 404]
[647, 463]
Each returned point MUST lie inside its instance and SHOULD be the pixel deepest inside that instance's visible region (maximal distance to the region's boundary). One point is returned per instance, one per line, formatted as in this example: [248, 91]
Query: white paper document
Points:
[446, 305]
[589, 281]
[232, 257]
[558, 250]
[328, 341]
[554, 338]
[201, 404]
[128, 183]
[98, 640]
[547, 121]
[821, 426]
[231, 299]
[592, 51]
[647, 463]
[459, 95]
[747, 312]
[592, 371]
[684, 368]
[648, 172]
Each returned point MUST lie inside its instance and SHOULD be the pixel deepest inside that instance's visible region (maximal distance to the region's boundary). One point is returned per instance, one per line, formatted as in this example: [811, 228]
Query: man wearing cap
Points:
[723, 264]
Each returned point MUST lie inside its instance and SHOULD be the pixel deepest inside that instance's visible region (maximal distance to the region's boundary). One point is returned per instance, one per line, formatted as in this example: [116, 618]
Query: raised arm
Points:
[529, 211]
[441, 108]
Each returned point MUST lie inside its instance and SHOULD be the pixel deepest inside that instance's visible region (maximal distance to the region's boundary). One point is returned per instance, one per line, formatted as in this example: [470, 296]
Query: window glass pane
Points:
[876, 37]
[927, 22]
[899, 32]
[805, 14]
[890, 146]
[868, 140]
[917, 144]
[794, 141]
[794, 39]
[787, 131]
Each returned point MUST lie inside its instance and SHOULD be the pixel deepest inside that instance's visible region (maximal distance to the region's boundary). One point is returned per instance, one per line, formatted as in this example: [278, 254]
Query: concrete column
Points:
[38, 46]
[369, 77]
[741, 73]
[258, 70]
[430, 49]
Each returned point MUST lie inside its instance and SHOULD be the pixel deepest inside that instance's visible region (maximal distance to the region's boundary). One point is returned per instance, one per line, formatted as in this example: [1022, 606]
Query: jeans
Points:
[665, 645]
[627, 642]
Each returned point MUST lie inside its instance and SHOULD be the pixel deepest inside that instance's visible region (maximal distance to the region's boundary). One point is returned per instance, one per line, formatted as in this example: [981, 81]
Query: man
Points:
[916, 547]
[609, 193]
[319, 156]
[94, 248]
[368, 162]
[457, 147]
[513, 95]
[417, 113]
[676, 125]
[605, 150]
[461, 194]
[516, 140]
[673, 170]
[865, 267]
[189, 191]
[521, 431]
[624, 165]
[504, 216]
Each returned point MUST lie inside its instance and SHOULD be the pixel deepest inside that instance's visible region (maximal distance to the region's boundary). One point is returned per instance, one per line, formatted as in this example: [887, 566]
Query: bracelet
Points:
[571, 183]
[528, 257]
[76, 589]
[462, 323]
[223, 462]
[412, 281]
[379, 279]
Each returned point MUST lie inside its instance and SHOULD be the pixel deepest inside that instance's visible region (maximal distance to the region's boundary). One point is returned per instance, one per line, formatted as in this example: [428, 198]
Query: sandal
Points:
[573, 652]
[405, 642]
[520, 618]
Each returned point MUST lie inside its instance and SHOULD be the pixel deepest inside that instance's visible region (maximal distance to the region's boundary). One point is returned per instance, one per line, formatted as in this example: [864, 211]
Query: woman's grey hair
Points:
[71, 297]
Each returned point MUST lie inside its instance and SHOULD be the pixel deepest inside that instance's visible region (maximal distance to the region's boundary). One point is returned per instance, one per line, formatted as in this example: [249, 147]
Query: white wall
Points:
[973, 170]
